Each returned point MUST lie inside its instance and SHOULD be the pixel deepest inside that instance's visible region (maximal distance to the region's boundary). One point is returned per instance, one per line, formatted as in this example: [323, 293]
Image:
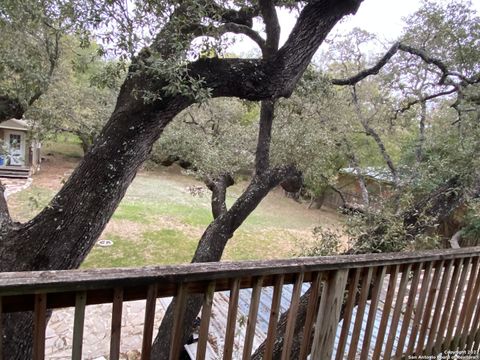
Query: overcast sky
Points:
[382, 17]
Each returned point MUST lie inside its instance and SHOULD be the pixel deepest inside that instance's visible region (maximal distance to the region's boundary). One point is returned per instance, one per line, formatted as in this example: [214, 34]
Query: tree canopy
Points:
[420, 114]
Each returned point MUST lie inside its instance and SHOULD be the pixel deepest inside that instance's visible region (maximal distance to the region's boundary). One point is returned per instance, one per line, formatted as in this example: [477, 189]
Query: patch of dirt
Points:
[54, 171]
[168, 222]
[124, 228]
[132, 230]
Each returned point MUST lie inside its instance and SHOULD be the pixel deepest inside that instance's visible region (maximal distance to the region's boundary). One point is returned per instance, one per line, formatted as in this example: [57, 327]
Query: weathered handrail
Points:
[431, 283]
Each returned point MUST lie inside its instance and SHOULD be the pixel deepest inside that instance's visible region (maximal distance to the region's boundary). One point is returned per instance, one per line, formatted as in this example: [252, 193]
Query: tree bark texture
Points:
[210, 249]
[63, 233]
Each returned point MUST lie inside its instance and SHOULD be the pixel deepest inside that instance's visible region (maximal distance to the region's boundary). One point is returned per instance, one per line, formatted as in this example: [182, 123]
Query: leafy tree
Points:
[29, 51]
[420, 209]
[227, 144]
[78, 101]
[429, 96]
[163, 79]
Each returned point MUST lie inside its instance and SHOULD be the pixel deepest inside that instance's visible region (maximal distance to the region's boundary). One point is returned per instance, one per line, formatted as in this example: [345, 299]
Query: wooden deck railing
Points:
[368, 307]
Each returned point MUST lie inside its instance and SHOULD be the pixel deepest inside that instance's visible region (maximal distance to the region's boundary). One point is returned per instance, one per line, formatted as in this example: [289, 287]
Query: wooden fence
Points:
[373, 306]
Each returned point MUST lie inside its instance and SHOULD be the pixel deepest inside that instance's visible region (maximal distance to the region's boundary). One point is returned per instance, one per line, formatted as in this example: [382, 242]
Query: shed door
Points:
[15, 142]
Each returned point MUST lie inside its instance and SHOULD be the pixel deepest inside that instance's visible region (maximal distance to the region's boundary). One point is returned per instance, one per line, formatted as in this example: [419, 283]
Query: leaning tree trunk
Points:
[215, 238]
[61, 236]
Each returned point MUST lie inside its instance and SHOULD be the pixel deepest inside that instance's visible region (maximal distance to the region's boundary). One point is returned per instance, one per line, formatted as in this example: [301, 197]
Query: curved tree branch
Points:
[374, 70]
[272, 27]
[245, 30]
[218, 186]
[398, 46]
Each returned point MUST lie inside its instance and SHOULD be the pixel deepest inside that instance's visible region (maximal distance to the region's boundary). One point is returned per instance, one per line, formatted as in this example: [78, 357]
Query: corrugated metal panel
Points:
[220, 309]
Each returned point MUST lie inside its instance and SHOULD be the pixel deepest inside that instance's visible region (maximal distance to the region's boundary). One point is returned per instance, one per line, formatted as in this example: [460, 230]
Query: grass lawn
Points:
[160, 222]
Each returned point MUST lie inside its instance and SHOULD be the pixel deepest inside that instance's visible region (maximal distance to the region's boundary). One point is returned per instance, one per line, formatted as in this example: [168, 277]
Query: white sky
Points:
[381, 17]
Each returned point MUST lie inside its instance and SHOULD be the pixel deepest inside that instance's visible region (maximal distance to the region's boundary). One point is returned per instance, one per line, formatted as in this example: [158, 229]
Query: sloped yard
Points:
[159, 221]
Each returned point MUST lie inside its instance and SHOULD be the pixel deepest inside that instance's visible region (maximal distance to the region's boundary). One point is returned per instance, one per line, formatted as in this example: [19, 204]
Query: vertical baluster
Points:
[397, 312]
[329, 314]
[409, 309]
[79, 320]
[39, 327]
[455, 308]
[448, 304]
[473, 331]
[462, 319]
[274, 313]
[377, 287]
[362, 302]
[392, 284]
[252, 318]
[438, 307]
[312, 309]
[474, 299]
[292, 317]
[116, 328]
[420, 307]
[476, 340]
[347, 315]
[149, 320]
[180, 303]
[429, 307]
[205, 322]
[231, 320]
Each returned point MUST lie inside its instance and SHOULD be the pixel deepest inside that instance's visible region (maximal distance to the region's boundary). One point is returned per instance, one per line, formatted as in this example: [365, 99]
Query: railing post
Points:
[116, 326]
[205, 322]
[78, 322]
[40, 324]
[149, 321]
[329, 314]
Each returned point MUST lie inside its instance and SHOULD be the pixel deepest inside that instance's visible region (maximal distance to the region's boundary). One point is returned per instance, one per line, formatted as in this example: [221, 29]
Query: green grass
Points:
[65, 144]
[160, 222]
[166, 246]
[30, 202]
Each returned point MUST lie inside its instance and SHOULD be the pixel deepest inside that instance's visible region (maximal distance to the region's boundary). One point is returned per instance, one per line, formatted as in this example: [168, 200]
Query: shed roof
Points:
[15, 124]
[375, 173]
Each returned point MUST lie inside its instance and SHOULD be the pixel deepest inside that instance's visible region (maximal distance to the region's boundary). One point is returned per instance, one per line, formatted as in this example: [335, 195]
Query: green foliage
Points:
[471, 230]
[213, 137]
[327, 242]
[28, 47]
[79, 99]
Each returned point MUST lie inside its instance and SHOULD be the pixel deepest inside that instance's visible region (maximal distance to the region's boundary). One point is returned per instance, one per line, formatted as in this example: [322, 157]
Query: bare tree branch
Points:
[370, 71]
[272, 27]
[218, 186]
[426, 98]
[371, 132]
[398, 46]
[245, 30]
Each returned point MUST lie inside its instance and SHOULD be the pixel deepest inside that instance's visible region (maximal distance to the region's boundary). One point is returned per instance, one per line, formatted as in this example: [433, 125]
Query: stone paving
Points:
[15, 185]
[96, 342]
